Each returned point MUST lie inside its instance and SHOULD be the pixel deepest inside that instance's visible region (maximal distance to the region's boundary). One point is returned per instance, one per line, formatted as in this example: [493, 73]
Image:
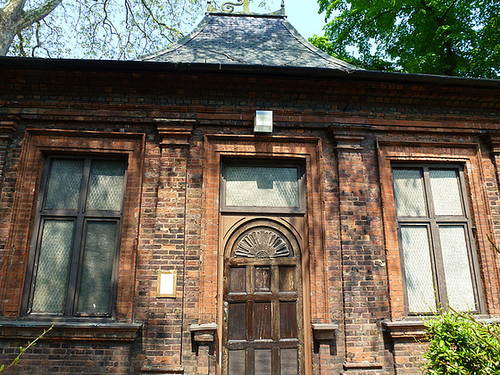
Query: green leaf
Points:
[445, 37]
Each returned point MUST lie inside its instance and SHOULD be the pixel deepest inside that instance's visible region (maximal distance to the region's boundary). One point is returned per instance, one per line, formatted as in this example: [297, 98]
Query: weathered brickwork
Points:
[365, 287]
[174, 127]
[407, 356]
[70, 358]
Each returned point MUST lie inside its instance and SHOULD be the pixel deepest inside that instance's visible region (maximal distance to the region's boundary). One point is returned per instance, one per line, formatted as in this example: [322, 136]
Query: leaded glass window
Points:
[76, 237]
[437, 252]
[262, 185]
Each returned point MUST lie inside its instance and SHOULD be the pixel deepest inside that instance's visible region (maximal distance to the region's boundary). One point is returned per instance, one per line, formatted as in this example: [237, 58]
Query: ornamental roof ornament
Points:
[228, 6]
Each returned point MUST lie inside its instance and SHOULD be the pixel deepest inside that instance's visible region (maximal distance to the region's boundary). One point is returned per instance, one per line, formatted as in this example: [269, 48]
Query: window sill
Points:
[415, 329]
[405, 329]
[324, 332]
[69, 330]
[203, 333]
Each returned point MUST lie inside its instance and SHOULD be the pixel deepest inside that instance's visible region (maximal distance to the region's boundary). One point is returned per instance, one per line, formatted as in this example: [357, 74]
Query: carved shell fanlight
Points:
[262, 243]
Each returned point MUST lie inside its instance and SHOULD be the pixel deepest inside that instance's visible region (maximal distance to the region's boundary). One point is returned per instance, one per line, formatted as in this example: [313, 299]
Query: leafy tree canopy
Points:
[449, 37]
[111, 29]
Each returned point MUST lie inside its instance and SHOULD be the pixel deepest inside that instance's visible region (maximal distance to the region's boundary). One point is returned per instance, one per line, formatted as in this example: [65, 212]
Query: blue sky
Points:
[302, 14]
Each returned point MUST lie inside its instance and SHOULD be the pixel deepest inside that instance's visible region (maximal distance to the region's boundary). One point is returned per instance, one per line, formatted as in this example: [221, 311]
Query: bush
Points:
[461, 345]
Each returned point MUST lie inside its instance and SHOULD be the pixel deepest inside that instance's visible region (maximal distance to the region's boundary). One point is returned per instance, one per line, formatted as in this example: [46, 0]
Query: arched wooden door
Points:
[262, 302]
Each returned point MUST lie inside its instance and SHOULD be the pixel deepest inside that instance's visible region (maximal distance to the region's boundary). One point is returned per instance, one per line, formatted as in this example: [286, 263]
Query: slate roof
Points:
[247, 39]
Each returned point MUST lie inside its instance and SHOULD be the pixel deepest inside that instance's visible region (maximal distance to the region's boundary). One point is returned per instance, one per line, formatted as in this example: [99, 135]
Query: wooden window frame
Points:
[301, 186]
[81, 217]
[432, 222]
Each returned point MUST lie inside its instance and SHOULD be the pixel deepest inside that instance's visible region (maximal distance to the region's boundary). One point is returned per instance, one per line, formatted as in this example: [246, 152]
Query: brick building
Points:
[241, 203]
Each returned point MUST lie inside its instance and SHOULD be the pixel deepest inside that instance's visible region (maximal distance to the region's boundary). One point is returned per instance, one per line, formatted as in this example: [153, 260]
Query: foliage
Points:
[22, 350]
[451, 37]
[104, 29]
[461, 345]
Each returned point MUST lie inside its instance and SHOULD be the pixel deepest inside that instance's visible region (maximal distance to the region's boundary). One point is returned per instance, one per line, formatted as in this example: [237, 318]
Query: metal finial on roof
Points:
[228, 6]
[282, 3]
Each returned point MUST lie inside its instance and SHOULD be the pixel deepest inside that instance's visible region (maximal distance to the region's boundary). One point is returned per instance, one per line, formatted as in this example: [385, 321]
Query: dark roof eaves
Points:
[303, 72]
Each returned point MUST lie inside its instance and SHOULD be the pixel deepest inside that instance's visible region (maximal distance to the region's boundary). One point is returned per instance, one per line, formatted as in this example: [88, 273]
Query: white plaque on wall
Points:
[167, 281]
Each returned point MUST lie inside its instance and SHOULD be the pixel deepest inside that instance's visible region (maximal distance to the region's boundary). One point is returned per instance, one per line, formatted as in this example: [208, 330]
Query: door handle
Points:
[226, 311]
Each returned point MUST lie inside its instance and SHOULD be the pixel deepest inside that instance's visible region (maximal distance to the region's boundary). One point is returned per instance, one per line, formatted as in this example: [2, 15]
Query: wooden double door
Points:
[262, 328]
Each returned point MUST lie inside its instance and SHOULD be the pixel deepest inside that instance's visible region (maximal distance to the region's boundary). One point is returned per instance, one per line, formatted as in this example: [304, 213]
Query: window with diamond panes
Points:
[438, 256]
[275, 187]
[75, 245]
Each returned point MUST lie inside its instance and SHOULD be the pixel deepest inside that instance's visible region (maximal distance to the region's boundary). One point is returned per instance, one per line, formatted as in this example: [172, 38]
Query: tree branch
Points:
[24, 349]
[426, 6]
[447, 11]
[37, 38]
[21, 44]
[37, 14]
[150, 12]
[13, 7]
[376, 17]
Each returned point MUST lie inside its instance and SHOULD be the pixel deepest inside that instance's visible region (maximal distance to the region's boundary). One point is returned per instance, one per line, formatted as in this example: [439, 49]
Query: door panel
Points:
[262, 279]
[289, 362]
[237, 361]
[237, 320]
[288, 320]
[262, 320]
[263, 361]
[237, 279]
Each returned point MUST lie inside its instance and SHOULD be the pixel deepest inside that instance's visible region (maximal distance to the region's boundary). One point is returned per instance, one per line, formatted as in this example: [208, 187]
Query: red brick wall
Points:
[70, 358]
[407, 356]
[363, 256]
[347, 131]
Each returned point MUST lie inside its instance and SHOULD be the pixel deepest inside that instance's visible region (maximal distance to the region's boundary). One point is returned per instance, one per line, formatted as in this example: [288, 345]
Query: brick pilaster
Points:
[163, 347]
[491, 186]
[365, 291]
[7, 182]
[7, 128]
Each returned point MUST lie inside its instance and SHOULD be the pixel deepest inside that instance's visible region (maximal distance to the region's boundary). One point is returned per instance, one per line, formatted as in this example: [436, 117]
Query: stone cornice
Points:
[174, 132]
[8, 126]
